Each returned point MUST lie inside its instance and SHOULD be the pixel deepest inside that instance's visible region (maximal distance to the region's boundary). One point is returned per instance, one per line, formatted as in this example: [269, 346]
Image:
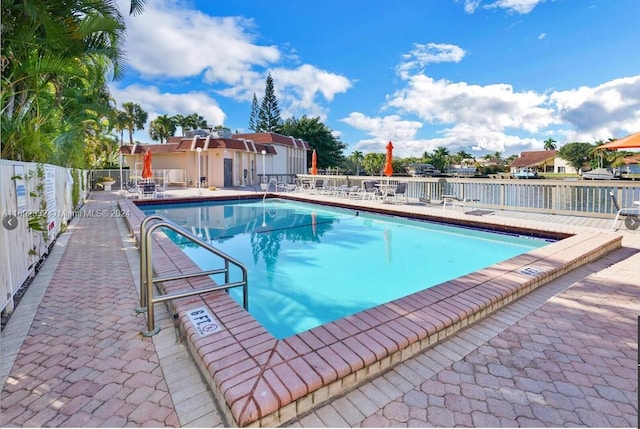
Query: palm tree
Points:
[136, 7]
[550, 144]
[134, 118]
[181, 121]
[196, 121]
[120, 123]
[162, 128]
[56, 58]
[462, 156]
[356, 157]
[440, 157]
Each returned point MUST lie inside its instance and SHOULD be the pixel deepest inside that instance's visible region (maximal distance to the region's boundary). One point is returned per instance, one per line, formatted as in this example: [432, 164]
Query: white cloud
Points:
[177, 42]
[470, 6]
[424, 54]
[518, 6]
[611, 109]
[298, 89]
[495, 107]
[171, 40]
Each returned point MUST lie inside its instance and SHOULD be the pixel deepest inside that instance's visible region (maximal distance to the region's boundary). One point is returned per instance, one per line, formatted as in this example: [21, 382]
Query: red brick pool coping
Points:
[262, 381]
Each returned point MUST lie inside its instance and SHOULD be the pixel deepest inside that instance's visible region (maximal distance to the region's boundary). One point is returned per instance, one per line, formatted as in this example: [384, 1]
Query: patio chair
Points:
[161, 192]
[346, 191]
[371, 191]
[399, 191]
[321, 186]
[149, 190]
[285, 187]
[631, 214]
[132, 190]
[454, 200]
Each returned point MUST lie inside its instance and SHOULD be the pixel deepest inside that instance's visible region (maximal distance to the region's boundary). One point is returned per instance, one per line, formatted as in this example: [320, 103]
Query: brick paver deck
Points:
[563, 356]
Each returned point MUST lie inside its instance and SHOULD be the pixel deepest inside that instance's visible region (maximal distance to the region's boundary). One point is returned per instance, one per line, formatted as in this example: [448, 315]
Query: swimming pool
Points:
[310, 264]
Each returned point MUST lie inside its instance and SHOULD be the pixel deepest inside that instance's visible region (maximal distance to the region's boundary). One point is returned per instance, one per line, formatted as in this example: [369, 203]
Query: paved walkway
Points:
[72, 354]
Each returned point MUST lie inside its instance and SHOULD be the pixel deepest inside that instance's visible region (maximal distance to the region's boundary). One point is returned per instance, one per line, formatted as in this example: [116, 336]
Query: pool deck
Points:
[563, 354]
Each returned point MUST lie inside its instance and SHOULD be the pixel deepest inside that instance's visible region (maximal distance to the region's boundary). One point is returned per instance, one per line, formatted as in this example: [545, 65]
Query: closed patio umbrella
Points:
[146, 167]
[388, 165]
[314, 163]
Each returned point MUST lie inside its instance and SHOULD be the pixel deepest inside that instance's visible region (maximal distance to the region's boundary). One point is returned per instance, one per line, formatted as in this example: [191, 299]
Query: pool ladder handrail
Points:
[266, 190]
[147, 280]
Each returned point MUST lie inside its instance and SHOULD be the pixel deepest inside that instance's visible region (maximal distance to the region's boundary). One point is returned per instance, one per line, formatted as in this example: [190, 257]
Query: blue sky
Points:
[482, 76]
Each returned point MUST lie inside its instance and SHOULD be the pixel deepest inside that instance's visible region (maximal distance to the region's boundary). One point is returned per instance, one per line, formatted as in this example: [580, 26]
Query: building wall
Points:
[560, 165]
[286, 161]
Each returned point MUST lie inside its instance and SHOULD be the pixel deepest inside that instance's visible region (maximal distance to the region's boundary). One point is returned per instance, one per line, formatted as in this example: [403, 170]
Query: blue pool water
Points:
[310, 264]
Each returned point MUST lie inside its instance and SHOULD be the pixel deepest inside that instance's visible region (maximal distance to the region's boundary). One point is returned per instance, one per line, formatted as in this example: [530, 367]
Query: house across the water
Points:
[540, 161]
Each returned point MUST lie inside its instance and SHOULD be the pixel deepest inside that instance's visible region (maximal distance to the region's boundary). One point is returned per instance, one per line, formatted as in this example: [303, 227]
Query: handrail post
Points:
[151, 329]
[275, 181]
[245, 288]
[143, 258]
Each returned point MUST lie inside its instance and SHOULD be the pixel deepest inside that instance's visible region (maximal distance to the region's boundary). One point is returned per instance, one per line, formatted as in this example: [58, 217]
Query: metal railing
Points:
[266, 190]
[147, 280]
[570, 197]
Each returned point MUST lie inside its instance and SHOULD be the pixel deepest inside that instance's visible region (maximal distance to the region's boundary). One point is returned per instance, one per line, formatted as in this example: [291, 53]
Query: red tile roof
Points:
[274, 138]
[533, 158]
[154, 148]
[631, 160]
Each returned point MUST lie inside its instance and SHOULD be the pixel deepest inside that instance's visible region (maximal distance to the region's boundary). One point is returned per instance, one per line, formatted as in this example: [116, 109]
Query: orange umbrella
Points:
[314, 163]
[146, 168]
[388, 165]
[629, 142]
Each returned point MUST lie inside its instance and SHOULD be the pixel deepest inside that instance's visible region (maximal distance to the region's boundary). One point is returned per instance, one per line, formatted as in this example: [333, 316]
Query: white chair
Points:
[399, 191]
[632, 214]
[453, 200]
[371, 191]
[148, 190]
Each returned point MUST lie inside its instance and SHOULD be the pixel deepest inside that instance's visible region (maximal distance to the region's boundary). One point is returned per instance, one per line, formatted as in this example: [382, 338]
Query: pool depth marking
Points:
[204, 322]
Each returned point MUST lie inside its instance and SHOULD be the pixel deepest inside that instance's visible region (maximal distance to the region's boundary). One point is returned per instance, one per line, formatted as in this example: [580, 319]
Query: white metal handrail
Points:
[266, 190]
[147, 280]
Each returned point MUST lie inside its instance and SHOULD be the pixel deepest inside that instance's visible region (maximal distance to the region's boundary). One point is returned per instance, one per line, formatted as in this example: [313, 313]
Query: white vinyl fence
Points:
[36, 202]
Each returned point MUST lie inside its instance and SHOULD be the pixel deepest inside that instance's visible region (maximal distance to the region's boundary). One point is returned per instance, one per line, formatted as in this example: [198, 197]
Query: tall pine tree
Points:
[269, 120]
[253, 117]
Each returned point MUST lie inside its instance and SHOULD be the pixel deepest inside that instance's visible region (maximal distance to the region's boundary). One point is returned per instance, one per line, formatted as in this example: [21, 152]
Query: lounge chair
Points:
[286, 187]
[631, 214]
[399, 191]
[349, 191]
[453, 200]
